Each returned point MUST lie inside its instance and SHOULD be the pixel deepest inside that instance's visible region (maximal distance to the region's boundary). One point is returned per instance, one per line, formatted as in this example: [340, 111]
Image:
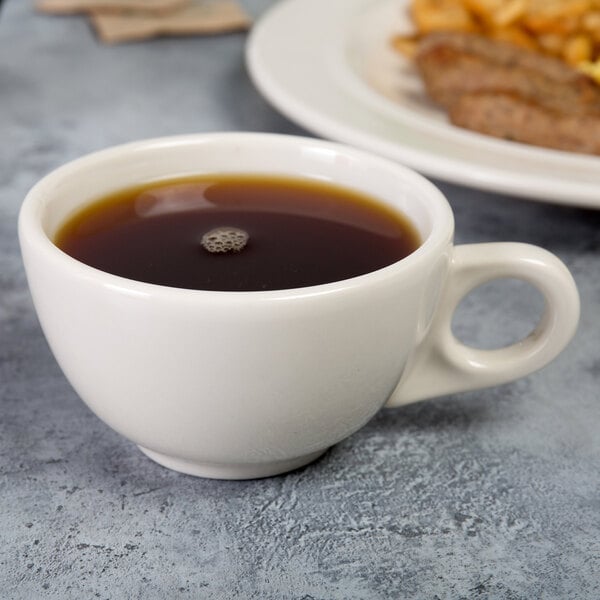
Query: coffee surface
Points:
[237, 233]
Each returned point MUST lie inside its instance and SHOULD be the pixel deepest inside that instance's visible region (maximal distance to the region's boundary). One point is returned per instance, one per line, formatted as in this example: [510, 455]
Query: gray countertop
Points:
[490, 494]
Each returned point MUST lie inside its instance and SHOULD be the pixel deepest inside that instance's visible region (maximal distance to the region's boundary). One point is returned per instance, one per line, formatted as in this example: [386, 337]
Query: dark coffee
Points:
[238, 233]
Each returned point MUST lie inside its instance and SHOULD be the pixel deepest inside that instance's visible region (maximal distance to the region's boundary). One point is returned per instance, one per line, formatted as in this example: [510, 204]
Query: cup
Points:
[237, 385]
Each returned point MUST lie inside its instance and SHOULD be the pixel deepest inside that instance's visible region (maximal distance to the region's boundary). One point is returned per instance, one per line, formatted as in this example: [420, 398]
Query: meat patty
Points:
[501, 90]
[452, 64]
[513, 118]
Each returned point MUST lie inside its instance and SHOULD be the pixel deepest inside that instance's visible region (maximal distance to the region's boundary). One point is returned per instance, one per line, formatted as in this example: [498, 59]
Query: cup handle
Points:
[443, 365]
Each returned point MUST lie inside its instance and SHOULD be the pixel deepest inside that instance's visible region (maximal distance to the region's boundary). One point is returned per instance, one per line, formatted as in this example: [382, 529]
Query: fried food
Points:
[501, 90]
[522, 70]
[512, 118]
[566, 29]
[453, 64]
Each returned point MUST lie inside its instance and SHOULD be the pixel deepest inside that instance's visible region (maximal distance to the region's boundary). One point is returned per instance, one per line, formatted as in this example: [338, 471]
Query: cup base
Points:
[233, 470]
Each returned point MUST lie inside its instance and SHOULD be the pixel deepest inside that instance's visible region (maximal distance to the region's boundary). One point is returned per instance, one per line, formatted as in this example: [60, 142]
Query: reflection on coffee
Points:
[238, 233]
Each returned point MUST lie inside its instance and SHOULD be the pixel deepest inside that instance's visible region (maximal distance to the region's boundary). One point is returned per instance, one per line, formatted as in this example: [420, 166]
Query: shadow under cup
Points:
[233, 384]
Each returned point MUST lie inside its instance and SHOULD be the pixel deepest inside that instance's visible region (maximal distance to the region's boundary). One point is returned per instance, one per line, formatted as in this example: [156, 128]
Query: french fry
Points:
[591, 21]
[540, 23]
[509, 13]
[551, 43]
[405, 44]
[578, 49]
[568, 29]
[496, 13]
[591, 69]
[483, 8]
[441, 15]
[516, 36]
[558, 9]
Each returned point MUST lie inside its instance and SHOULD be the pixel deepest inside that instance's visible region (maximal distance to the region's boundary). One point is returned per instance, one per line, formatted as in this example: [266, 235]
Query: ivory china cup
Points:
[239, 385]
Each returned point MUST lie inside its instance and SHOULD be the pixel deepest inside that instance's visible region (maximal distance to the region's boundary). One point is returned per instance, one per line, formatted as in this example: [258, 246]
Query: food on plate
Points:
[453, 64]
[505, 67]
[566, 29]
[499, 89]
[512, 118]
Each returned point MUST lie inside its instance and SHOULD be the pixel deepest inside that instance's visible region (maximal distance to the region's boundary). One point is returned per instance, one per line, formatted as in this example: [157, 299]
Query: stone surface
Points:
[491, 494]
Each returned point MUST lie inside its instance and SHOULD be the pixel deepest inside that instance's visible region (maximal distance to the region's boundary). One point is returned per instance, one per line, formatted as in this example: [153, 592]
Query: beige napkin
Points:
[198, 17]
[79, 6]
[118, 21]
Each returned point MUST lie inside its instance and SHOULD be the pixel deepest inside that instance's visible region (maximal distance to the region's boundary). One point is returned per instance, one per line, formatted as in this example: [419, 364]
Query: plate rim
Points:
[268, 81]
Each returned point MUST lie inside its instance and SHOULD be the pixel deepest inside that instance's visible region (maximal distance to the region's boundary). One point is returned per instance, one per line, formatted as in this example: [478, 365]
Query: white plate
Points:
[327, 65]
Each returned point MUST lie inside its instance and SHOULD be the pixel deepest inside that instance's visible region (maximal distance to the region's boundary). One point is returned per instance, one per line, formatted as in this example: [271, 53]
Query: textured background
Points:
[492, 494]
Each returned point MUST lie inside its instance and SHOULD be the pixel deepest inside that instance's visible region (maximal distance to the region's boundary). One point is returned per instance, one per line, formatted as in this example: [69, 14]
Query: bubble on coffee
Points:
[224, 239]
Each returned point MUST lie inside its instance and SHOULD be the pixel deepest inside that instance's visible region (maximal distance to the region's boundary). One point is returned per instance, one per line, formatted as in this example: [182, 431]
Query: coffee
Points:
[238, 233]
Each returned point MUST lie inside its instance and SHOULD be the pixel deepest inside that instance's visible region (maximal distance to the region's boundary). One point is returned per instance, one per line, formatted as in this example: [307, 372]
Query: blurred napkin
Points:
[118, 21]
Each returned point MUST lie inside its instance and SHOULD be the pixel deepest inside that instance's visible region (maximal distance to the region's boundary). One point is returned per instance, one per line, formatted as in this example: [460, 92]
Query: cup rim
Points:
[31, 232]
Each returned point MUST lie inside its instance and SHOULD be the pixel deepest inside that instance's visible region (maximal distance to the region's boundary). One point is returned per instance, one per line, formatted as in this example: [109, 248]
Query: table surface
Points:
[488, 494]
